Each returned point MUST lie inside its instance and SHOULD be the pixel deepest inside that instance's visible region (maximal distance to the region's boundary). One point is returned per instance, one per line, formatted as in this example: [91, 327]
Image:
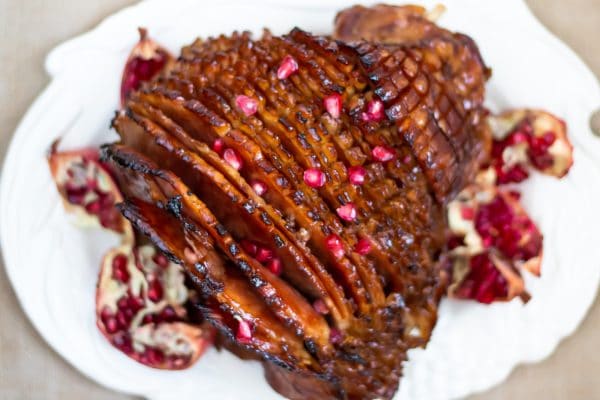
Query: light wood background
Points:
[29, 369]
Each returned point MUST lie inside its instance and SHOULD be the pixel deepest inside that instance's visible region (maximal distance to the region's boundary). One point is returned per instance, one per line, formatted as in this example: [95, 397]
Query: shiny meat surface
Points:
[246, 176]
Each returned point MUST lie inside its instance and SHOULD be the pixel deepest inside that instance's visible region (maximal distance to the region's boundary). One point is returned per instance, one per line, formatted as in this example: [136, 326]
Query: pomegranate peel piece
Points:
[150, 326]
[491, 243]
[527, 138]
[88, 189]
[146, 60]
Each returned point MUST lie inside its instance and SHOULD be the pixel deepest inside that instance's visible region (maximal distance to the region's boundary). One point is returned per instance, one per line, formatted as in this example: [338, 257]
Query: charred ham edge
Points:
[285, 301]
[340, 309]
[232, 294]
[191, 116]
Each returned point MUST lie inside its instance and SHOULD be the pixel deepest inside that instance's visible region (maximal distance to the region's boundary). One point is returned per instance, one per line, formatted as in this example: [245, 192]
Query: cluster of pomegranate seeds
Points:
[263, 255]
[88, 189]
[375, 111]
[483, 282]
[288, 66]
[525, 139]
[347, 212]
[248, 105]
[146, 60]
[516, 236]
[232, 158]
[363, 246]
[259, 187]
[357, 175]
[333, 105]
[335, 245]
[383, 153]
[244, 331]
[314, 178]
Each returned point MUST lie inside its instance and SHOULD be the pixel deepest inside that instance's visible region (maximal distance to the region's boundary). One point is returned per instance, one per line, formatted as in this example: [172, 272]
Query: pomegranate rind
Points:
[540, 123]
[173, 343]
[62, 165]
[146, 51]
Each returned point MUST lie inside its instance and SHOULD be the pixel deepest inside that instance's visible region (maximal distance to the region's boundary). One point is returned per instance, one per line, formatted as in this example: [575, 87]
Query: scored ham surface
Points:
[279, 268]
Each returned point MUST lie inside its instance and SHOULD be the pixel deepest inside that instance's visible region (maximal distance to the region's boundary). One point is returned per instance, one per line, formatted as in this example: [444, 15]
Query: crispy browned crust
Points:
[181, 193]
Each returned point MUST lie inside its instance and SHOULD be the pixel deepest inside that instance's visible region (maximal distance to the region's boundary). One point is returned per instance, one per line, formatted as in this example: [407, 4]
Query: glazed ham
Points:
[301, 182]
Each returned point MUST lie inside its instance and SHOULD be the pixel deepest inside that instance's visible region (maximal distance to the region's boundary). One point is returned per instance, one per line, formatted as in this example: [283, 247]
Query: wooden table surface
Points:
[29, 369]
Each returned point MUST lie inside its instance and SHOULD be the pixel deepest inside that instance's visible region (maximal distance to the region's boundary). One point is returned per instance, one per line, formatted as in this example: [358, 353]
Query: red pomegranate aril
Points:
[259, 187]
[161, 260]
[375, 112]
[263, 255]
[467, 213]
[218, 146]
[383, 153]
[244, 331]
[249, 246]
[123, 303]
[148, 319]
[314, 177]
[233, 159]
[111, 325]
[76, 195]
[120, 271]
[154, 356]
[333, 105]
[155, 290]
[288, 66]
[135, 303]
[122, 320]
[335, 336]
[363, 246]
[94, 207]
[347, 212]
[168, 314]
[248, 105]
[320, 307]
[357, 175]
[334, 244]
[275, 266]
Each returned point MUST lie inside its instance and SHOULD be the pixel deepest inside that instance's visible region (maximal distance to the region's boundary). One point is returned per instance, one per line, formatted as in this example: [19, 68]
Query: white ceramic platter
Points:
[53, 265]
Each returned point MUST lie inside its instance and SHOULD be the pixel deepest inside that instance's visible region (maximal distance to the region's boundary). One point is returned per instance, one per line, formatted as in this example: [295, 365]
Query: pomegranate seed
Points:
[111, 325]
[160, 260]
[514, 194]
[357, 175]
[314, 177]
[155, 356]
[155, 290]
[218, 146]
[467, 213]
[275, 266]
[244, 331]
[123, 303]
[263, 255]
[334, 244]
[148, 319]
[259, 187]
[119, 265]
[363, 246]
[76, 195]
[248, 105]
[333, 105]
[233, 159]
[374, 111]
[249, 247]
[288, 66]
[383, 153]
[135, 303]
[347, 212]
[94, 207]
[335, 336]
[320, 307]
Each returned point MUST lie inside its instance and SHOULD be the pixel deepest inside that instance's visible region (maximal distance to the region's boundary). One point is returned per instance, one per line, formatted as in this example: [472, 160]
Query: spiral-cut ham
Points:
[333, 322]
